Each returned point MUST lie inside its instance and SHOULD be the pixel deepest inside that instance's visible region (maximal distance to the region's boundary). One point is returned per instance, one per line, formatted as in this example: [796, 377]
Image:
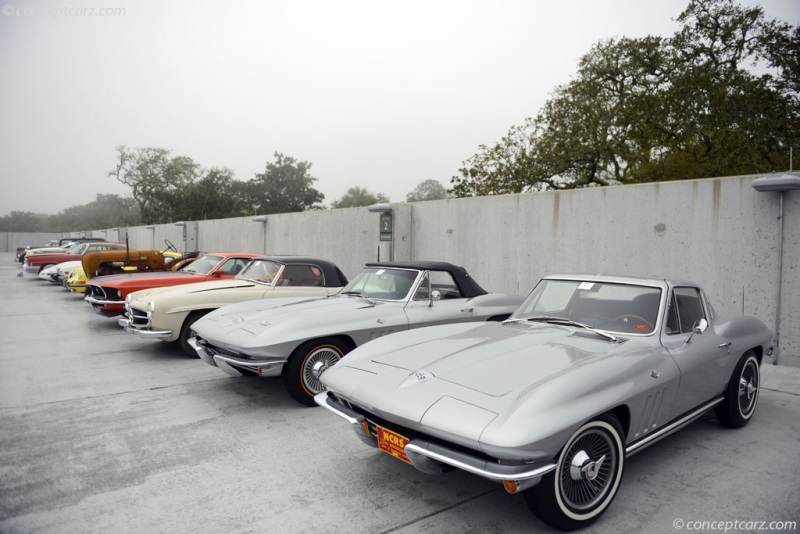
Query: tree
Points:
[357, 197]
[105, 211]
[24, 221]
[212, 196]
[285, 186]
[654, 108]
[156, 179]
[427, 190]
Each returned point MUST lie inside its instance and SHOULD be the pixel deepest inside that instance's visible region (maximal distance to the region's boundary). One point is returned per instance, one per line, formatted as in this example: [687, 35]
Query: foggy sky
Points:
[378, 94]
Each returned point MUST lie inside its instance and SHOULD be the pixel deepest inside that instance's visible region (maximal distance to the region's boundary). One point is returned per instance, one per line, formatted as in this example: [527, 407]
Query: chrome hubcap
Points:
[588, 470]
[748, 388]
[320, 359]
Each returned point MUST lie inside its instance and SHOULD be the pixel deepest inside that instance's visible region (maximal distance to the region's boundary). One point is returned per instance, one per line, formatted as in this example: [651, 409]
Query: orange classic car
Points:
[107, 294]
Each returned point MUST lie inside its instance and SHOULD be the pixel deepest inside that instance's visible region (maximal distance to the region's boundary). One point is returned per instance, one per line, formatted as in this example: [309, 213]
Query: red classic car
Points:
[35, 263]
[107, 294]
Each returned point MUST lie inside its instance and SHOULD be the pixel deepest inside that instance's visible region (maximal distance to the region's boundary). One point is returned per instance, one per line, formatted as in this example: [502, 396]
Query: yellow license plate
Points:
[392, 443]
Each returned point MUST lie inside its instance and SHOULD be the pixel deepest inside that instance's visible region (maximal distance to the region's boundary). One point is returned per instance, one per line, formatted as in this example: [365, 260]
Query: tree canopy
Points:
[718, 98]
[105, 211]
[427, 190]
[170, 188]
[358, 196]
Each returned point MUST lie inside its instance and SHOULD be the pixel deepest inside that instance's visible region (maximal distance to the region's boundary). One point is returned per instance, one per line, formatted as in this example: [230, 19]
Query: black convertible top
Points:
[466, 284]
[333, 276]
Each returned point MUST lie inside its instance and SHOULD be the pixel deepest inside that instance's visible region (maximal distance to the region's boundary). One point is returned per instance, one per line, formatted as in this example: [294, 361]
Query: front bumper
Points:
[146, 333]
[105, 307]
[429, 457]
[235, 365]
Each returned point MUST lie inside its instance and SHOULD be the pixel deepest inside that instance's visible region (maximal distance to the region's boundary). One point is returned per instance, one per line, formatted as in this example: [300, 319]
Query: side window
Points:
[233, 266]
[684, 310]
[302, 275]
[441, 281]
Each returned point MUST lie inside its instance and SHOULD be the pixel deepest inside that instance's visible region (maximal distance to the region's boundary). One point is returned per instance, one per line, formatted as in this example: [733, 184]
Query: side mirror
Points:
[436, 295]
[700, 326]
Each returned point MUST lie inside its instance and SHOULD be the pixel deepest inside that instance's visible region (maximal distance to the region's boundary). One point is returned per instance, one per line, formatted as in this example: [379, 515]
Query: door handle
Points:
[468, 310]
[726, 346]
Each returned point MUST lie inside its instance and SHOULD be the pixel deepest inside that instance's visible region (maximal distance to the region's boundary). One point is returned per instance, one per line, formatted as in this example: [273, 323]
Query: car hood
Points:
[123, 280]
[200, 287]
[490, 358]
[256, 324]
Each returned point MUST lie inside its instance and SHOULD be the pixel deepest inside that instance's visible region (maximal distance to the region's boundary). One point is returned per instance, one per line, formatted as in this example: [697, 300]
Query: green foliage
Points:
[24, 221]
[427, 190]
[653, 109]
[168, 189]
[106, 211]
[358, 197]
[285, 186]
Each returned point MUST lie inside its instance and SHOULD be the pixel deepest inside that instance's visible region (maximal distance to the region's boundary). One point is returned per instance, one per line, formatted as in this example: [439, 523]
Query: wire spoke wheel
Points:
[587, 469]
[328, 355]
[748, 387]
[586, 479]
[298, 374]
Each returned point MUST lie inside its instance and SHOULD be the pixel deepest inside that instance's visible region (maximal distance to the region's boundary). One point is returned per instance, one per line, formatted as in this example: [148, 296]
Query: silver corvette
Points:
[287, 337]
[589, 370]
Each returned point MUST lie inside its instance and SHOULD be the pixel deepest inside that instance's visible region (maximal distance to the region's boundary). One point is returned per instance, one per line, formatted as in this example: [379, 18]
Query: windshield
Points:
[261, 271]
[620, 308]
[379, 283]
[202, 265]
[80, 248]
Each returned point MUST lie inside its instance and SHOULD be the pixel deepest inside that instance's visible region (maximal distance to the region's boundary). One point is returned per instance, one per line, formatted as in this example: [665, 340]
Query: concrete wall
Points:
[720, 233]
[9, 241]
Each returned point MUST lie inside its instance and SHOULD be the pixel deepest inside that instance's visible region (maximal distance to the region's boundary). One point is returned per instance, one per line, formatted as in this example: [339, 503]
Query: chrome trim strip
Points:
[249, 364]
[672, 427]
[201, 351]
[93, 300]
[352, 417]
[151, 334]
[475, 465]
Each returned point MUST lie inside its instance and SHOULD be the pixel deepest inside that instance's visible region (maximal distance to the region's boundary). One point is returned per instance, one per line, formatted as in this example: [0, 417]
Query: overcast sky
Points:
[372, 93]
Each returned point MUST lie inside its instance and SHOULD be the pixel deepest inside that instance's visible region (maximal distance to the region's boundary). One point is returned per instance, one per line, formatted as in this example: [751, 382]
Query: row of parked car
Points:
[546, 394]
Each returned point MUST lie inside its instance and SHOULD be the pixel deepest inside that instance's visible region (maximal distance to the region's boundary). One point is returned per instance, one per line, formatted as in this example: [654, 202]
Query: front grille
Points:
[138, 317]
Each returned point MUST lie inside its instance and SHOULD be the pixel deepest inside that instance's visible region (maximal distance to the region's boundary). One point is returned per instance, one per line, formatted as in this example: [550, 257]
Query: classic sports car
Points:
[106, 262]
[286, 338]
[589, 370]
[59, 272]
[107, 294]
[168, 313]
[35, 263]
[76, 280]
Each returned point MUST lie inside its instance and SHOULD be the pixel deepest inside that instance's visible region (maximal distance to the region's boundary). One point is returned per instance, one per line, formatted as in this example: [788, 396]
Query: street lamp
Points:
[779, 184]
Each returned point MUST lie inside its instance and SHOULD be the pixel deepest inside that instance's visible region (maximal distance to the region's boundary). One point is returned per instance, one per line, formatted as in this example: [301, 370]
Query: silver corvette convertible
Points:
[287, 337]
[589, 370]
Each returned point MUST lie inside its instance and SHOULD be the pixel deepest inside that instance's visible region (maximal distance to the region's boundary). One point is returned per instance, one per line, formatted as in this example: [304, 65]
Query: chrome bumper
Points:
[125, 323]
[429, 457]
[101, 302]
[233, 365]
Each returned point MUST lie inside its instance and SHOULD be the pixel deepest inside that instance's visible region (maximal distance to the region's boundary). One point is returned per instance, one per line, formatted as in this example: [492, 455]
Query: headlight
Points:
[128, 298]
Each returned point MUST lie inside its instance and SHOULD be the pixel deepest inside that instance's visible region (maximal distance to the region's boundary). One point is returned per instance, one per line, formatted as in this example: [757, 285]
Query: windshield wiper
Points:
[569, 322]
[358, 294]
